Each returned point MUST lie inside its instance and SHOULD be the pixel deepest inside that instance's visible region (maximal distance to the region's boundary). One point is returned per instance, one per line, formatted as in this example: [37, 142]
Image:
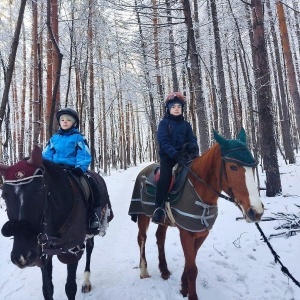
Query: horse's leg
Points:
[143, 223]
[190, 246]
[48, 288]
[160, 241]
[87, 286]
[71, 286]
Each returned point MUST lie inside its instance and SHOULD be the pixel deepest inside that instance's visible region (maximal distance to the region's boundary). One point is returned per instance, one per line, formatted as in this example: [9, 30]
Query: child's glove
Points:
[77, 171]
[182, 160]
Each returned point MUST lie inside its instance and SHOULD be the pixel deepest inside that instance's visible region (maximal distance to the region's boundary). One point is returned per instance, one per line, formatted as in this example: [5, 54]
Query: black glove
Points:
[194, 155]
[182, 160]
[177, 157]
[77, 171]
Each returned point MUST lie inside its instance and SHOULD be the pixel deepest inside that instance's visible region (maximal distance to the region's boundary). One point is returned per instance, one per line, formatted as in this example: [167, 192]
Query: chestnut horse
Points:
[47, 215]
[227, 166]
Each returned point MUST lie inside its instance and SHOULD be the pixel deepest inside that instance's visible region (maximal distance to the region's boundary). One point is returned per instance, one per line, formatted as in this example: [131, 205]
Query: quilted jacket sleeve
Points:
[164, 139]
[83, 155]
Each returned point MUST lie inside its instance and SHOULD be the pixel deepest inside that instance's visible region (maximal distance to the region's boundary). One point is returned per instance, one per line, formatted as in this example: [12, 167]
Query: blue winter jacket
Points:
[68, 147]
[172, 134]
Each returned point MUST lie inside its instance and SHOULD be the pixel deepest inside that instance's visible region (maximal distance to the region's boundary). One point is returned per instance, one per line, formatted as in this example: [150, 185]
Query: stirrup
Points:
[94, 222]
[159, 216]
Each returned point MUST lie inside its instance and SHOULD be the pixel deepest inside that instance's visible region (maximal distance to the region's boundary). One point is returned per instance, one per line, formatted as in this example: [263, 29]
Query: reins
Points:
[209, 186]
[276, 257]
[284, 269]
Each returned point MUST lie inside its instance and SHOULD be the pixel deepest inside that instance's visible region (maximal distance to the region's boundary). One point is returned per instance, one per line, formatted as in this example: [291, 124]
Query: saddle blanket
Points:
[189, 211]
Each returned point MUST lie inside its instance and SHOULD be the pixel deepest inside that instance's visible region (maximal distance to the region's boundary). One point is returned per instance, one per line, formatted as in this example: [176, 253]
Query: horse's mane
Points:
[61, 199]
[57, 176]
[207, 167]
[208, 161]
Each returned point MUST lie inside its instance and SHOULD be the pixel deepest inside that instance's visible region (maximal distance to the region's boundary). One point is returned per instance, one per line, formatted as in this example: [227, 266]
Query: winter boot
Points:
[94, 222]
[159, 216]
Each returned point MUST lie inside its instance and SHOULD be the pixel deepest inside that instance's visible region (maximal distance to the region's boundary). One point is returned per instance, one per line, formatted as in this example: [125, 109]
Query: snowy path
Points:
[233, 263]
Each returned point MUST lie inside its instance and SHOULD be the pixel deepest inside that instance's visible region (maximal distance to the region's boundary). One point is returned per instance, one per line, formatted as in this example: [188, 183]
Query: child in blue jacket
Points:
[173, 132]
[68, 147]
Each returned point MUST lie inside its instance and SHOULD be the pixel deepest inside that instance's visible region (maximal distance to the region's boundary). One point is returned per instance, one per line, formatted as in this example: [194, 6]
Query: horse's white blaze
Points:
[18, 192]
[255, 201]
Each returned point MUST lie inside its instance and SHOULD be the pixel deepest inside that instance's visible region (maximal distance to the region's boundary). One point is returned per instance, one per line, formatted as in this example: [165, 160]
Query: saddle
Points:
[178, 180]
[87, 187]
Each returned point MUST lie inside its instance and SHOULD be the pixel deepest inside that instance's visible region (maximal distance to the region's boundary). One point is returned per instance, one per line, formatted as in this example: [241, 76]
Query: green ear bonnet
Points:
[236, 150]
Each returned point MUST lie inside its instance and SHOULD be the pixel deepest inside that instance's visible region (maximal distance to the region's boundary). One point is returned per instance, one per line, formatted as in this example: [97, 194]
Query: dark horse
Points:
[227, 166]
[47, 216]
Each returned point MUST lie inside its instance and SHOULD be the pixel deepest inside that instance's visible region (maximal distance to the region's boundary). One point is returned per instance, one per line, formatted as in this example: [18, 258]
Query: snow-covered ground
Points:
[233, 263]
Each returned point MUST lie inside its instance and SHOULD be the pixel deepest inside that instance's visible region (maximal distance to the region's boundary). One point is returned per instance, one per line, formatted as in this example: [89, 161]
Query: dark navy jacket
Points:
[172, 134]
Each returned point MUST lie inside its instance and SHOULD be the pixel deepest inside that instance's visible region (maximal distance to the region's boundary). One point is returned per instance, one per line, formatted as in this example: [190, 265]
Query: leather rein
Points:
[222, 171]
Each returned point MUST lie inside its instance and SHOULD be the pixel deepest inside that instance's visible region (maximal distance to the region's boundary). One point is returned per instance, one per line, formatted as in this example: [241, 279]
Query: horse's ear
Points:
[221, 141]
[36, 158]
[242, 136]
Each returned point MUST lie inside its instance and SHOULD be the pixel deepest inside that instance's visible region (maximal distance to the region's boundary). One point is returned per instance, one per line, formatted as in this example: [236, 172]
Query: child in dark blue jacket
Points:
[68, 147]
[173, 132]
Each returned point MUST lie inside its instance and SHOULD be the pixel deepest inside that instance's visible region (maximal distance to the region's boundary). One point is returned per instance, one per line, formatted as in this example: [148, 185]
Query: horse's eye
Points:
[233, 168]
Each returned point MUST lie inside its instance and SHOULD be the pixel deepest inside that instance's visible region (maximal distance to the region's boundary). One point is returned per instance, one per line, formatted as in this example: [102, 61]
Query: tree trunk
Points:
[92, 83]
[172, 48]
[266, 122]
[284, 120]
[53, 35]
[197, 80]
[151, 113]
[11, 62]
[35, 104]
[220, 68]
[294, 92]
[156, 52]
[21, 148]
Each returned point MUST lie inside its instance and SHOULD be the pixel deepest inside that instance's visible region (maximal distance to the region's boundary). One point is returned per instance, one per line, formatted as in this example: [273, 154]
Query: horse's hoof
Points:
[165, 275]
[86, 288]
[144, 276]
[184, 292]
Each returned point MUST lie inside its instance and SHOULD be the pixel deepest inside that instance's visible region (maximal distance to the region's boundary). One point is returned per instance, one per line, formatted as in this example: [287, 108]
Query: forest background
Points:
[236, 61]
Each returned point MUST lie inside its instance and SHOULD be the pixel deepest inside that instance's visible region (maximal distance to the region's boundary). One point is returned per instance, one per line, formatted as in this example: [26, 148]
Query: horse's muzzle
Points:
[253, 216]
[23, 261]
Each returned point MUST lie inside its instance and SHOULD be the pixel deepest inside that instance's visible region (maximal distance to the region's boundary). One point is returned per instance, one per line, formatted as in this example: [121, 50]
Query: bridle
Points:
[231, 197]
[16, 226]
[45, 243]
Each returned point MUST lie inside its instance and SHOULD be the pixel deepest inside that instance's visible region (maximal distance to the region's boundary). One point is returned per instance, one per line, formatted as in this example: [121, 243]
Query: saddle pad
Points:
[180, 174]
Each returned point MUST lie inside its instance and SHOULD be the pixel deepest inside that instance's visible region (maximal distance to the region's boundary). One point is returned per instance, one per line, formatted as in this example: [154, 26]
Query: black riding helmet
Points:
[68, 111]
